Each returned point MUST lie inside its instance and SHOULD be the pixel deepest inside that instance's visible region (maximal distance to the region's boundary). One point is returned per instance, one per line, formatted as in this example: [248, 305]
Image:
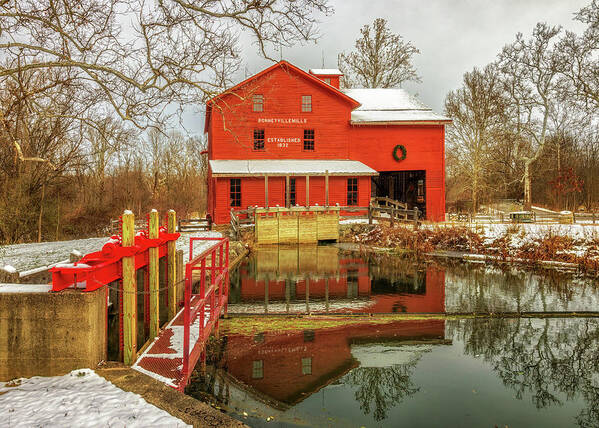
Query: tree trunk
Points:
[527, 187]
[39, 220]
[475, 195]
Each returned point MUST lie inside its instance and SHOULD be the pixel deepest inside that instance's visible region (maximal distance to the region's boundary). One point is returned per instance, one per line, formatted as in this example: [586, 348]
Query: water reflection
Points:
[325, 279]
[552, 361]
[522, 372]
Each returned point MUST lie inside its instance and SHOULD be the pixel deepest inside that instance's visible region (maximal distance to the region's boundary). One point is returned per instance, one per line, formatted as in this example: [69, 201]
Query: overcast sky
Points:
[453, 36]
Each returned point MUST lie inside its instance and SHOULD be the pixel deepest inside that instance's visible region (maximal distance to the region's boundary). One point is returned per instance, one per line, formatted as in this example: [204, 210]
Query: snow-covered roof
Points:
[235, 167]
[326, 71]
[390, 105]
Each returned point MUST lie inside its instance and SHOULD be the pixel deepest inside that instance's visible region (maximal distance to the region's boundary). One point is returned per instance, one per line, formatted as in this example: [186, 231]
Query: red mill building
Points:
[284, 129]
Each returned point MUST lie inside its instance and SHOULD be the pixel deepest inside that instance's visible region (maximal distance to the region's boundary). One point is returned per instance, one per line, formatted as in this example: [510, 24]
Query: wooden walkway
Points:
[163, 358]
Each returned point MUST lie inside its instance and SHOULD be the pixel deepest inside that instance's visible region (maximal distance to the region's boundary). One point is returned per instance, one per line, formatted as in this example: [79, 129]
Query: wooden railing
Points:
[537, 217]
[380, 209]
[384, 202]
[195, 224]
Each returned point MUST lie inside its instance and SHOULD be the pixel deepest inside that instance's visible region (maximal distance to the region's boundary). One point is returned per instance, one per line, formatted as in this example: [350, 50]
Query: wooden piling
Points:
[154, 277]
[171, 260]
[129, 293]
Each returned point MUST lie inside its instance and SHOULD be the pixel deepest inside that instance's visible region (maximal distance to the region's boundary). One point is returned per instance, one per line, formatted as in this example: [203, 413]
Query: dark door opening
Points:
[404, 186]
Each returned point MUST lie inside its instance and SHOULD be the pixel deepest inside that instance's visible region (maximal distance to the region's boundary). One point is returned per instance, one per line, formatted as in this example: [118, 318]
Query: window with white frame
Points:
[306, 103]
[258, 102]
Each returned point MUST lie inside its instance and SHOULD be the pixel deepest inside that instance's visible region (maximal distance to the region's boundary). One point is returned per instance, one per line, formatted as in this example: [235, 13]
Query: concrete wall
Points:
[47, 334]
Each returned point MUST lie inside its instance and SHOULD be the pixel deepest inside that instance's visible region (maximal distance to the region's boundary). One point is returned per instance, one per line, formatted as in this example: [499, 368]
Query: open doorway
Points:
[404, 186]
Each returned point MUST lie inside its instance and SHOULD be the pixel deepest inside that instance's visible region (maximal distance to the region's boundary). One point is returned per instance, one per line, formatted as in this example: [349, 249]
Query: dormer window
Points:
[306, 103]
[258, 101]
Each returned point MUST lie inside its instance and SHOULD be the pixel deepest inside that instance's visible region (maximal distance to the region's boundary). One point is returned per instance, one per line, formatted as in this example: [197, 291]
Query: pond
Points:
[327, 279]
[470, 372]
[437, 370]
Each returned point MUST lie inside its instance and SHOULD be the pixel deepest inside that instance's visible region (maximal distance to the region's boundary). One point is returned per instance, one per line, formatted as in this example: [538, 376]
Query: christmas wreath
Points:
[403, 153]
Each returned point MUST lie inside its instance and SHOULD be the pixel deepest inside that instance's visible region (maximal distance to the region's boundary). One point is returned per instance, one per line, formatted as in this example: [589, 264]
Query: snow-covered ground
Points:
[584, 237]
[24, 257]
[78, 399]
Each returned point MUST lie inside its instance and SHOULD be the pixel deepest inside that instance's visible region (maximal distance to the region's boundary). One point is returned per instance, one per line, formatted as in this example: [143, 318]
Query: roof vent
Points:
[331, 76]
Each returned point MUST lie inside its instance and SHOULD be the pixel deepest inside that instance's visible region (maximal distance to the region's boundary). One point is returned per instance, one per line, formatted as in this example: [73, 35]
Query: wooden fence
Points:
[537, 218]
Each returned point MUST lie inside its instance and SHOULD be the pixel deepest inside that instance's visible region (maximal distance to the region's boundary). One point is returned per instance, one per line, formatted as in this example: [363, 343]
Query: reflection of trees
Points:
[481, 288]
[549, 359]
[380, 388]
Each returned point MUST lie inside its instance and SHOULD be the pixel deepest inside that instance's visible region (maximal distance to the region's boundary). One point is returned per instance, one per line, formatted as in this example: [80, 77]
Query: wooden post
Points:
[326, 188]
[154, 277]
[307, 190]
[287, 194]
[129, 292]
[180, 276]
[171, 260]
[266, 191]
[370, 213]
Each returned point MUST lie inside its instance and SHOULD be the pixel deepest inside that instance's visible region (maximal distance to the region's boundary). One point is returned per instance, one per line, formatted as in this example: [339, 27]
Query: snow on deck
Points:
[80, 398]
[163, 358]
[25, 288]
[29, 256]
[44, 255]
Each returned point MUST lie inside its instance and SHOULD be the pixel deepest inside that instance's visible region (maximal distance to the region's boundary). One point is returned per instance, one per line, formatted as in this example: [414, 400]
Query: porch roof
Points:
[283, 167]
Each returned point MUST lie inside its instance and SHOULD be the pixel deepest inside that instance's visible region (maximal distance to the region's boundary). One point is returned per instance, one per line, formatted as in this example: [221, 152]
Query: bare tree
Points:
[381, 59]
[580, 56]
[531, 76]
[477, 110]
[139, 57]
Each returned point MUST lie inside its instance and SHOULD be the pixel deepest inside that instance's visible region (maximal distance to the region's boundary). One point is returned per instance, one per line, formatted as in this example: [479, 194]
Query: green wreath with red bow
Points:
[403, 150]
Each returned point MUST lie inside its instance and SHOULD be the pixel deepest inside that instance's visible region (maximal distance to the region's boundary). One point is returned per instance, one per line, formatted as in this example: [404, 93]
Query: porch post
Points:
[326, 188]
[266, 191]
[287, 198]
[307, 190]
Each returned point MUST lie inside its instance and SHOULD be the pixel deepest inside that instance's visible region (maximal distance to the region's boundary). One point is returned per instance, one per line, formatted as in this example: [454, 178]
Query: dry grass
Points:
[513, 243]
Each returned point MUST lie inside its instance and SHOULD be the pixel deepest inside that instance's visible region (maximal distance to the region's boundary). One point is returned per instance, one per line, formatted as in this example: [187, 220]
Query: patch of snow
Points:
[80, 398]
[45, 254]
[326, 71]
[25, 288]
[9, 269]
[542, 209]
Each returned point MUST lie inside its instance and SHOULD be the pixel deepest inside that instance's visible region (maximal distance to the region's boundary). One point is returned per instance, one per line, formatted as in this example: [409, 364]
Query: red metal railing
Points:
[212, 265]
[98, 269]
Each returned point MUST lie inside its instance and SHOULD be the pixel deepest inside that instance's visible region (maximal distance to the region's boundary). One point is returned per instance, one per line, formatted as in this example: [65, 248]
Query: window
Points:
[309, 335]
[292, 198]
[235, 191]
[306, 103]
[258, 139]
[258, 102]
[352, 191]
[257, 369]
[308, 139]
[307, 366]
[327, 80]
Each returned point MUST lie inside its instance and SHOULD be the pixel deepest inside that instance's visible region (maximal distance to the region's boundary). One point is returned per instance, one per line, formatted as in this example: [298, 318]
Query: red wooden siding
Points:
[231, 122]
[425, 150]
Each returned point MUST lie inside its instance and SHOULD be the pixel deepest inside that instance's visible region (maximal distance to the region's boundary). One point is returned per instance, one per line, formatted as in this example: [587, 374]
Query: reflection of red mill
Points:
[284, 369]
[319, 272]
